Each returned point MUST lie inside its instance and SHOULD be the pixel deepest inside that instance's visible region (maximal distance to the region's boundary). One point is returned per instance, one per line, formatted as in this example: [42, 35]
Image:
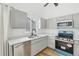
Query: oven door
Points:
[64, 46]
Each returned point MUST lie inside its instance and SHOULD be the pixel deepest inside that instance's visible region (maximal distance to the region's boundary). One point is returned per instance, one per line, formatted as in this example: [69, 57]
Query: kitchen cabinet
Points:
[76, 20]
[38, 45]
[19, 19]
[27, 48]
[76, 48]
[52, 23]
[65, 22]
[43, 23]
[51, 42]
[48, 23]
[67, 17]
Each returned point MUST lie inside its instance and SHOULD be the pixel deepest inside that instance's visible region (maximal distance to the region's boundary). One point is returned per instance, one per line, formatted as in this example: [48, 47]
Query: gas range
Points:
[64, 42]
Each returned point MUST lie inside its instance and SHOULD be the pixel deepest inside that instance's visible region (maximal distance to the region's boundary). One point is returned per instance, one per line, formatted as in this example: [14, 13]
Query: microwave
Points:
[65, 24]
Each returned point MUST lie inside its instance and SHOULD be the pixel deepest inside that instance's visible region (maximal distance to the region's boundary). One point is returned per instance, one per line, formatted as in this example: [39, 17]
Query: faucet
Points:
[33, 32]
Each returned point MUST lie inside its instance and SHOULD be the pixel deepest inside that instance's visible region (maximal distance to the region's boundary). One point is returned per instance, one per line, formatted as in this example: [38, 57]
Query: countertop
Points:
[14, 41]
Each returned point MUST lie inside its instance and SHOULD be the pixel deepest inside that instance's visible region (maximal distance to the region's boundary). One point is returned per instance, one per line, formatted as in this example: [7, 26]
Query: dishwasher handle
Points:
[19, 44]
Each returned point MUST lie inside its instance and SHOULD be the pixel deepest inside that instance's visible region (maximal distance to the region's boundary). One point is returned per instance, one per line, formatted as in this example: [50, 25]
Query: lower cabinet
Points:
[29, 48]
[76, 48]
[51, 42]
[38, 45]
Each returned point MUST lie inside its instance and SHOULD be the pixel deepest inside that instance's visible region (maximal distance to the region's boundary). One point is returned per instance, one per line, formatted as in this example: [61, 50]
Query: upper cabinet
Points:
[72, 21]
[19, 19]
[43, 23]
[65, 22]
[67, 17]
[48, 23]
[76, 21]
[52, 23]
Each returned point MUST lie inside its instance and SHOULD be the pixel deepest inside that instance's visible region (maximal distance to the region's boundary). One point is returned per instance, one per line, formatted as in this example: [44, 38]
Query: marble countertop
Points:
[14, 41]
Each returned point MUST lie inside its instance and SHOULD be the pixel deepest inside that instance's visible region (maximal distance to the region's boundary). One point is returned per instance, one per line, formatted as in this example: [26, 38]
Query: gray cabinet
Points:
[67, 17]
[51, 42]
[76, 21]
[43, 23]
[52, 23]
[38, 45]
[76, 48]
[48, 23]
[65, 22]
[19, 19]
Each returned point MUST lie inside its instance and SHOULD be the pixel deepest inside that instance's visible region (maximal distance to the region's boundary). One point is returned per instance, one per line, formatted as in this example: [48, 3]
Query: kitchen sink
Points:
[33, 36]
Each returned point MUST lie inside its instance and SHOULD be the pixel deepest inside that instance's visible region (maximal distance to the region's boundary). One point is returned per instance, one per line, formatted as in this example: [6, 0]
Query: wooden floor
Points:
[47, 52]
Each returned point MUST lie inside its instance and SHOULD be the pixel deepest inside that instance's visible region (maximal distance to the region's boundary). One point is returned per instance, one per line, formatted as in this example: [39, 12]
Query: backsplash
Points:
[50, 32]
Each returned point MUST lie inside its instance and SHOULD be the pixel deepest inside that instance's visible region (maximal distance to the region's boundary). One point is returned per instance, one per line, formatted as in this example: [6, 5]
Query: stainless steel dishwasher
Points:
[20, 49]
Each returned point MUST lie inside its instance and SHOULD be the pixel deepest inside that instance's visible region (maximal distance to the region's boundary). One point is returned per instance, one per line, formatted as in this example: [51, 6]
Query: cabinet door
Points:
[76, 21]
[19, 50]
[51, 23]
[67, 17]
[51, 42]
[38, 45]
[35, 48]
[76, 48]
[43, 24]
[44, 42]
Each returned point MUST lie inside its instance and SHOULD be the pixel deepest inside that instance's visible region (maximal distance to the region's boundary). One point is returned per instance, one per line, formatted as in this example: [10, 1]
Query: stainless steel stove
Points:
[64, 41]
